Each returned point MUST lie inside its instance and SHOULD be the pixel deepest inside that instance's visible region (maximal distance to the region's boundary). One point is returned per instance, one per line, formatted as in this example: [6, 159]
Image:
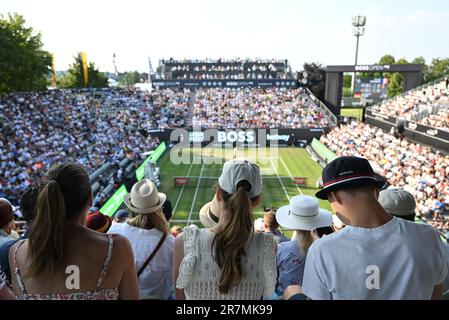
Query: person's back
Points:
[150, 240]
[229, 260]
[200, 280]
[398, 260]
[98, 266]
[63, 259]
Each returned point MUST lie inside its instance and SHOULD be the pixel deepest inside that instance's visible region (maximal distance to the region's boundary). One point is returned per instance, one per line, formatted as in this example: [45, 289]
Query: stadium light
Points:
[358, 30]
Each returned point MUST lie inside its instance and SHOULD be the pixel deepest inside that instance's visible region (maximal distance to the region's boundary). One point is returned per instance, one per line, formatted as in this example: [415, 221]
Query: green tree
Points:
[396, 81]
[347, 80]
[387, 59]
[438, 69]
[129, 78]
[425, 68]
[316, 79]
[74, 77]
[24, 65]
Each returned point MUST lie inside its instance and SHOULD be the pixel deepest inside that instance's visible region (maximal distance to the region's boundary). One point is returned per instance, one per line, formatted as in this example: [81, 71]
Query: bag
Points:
[152, 255]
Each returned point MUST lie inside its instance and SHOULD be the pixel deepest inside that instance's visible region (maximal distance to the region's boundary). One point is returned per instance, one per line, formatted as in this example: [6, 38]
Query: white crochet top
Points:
[199, 273]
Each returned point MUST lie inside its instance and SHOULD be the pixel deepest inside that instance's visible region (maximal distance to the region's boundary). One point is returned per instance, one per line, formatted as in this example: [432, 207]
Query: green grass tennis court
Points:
[203, 166]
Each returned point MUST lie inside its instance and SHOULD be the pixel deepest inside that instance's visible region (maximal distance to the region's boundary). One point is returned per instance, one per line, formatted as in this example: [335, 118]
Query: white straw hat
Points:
[303, 213]
[144, 197]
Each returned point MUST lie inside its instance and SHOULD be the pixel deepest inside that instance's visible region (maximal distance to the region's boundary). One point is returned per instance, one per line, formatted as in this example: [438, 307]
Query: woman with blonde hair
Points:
[150, 238]
[229, 260]
[64, 260]
[304, 216]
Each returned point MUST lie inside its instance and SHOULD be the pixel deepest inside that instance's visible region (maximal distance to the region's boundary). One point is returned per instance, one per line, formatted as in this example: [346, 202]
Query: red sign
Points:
[302, 181]
[181, 181]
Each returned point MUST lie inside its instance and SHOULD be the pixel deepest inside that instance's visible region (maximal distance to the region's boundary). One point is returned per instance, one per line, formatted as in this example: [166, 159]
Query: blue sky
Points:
[300, 31]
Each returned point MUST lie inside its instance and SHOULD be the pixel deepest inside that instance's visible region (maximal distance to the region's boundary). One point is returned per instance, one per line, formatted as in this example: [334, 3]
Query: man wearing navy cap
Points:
[376, 256]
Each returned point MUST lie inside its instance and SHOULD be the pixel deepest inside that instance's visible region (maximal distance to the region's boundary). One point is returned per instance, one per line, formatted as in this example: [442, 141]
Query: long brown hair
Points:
[304, 240]
[232, 236]
[150, 220]
[64, 193]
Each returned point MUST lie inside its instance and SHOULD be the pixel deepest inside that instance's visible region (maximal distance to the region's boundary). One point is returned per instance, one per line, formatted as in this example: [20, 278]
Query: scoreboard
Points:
[375, 89]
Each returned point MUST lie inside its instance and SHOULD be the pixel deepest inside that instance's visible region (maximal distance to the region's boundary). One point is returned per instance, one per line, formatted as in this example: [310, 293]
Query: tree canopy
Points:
[24, 65]
[74, 77]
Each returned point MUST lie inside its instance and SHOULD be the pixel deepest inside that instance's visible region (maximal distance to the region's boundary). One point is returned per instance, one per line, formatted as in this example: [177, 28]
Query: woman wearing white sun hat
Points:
[304, 216]
[150, 239]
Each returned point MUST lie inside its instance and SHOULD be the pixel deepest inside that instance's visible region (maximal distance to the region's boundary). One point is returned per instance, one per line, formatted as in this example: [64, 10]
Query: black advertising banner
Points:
[247, 137]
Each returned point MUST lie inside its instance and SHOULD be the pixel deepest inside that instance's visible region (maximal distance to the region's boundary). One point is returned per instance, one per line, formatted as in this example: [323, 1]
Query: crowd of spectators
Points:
[225, 69]
[139, 258]
[40, 129]
[257, 108]
[428, 106]
[415, 167]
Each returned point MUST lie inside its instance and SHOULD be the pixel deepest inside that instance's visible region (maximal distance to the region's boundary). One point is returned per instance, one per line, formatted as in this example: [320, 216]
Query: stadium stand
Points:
[428, 105]
[419, 169]
[224, 69]
[97, 129]
[257, 108]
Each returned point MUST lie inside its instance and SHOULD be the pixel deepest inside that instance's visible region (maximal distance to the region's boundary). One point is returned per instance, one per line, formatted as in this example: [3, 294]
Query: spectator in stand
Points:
[5, 293]
[229, 260]
[257, 108]
[270, 225]
[415, 167]
[28, 208]
[150, 239]
[401, 204]
[304, 216]
[120, 216]
[427, 106]
[41, 129]
[392, 259]
[6, 221]
[98, 222]
[58, 238]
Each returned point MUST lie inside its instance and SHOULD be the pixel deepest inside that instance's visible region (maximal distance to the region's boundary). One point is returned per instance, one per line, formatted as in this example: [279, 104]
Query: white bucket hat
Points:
[210, 213]
[303, 213]
[144, 197]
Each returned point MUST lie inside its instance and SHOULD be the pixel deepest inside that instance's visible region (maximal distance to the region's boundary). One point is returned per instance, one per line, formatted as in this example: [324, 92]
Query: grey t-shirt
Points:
[399, 260]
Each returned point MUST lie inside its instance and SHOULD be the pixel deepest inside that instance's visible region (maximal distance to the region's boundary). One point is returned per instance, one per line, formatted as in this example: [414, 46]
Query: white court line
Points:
[291, 176]
[282, 184]
[182, 191]
[196, 192]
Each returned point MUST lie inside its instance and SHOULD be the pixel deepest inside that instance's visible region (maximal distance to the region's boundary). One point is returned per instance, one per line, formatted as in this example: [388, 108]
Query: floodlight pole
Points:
[358, 22]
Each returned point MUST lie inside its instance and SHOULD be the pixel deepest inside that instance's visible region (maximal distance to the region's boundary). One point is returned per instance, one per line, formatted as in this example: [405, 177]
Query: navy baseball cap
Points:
[346, 173]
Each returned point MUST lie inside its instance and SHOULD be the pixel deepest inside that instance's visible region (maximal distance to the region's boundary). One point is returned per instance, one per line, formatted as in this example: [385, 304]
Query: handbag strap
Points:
[152, 254]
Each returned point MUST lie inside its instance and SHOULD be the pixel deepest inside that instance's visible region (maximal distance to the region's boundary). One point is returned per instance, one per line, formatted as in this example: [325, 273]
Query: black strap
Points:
[152, 255]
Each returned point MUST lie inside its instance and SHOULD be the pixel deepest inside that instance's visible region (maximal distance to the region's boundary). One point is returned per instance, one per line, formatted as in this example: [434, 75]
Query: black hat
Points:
[345, 173]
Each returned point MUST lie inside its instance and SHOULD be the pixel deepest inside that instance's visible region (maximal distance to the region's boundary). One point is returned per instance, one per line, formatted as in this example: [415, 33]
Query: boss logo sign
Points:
[373, 68]
[221, 136]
